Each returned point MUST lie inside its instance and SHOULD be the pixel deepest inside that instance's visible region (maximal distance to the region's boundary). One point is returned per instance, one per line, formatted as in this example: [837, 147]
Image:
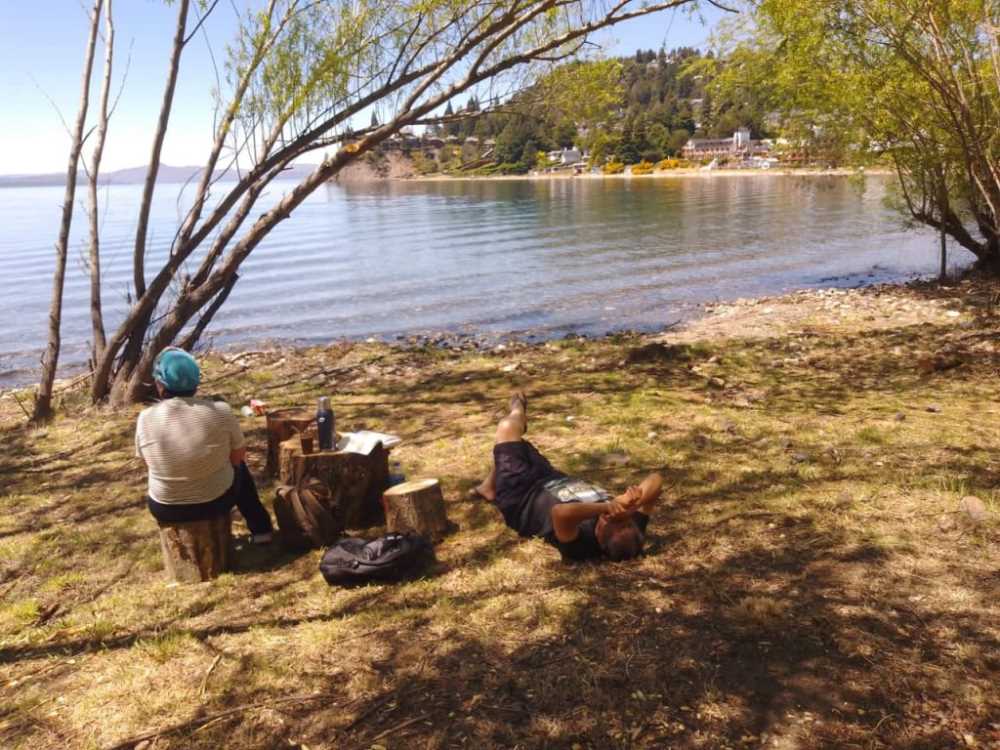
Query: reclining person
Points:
[536, 500]
[195, 452]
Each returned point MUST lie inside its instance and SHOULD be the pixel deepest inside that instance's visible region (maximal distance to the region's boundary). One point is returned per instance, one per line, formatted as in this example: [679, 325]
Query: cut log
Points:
[197, 550]
[356, 482]
[416, 506]
[281, 425]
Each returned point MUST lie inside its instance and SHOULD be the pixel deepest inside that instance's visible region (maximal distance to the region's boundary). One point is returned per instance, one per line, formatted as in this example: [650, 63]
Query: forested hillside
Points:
[651, 104]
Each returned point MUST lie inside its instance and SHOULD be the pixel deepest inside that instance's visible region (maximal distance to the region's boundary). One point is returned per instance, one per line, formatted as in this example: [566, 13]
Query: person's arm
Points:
[642, 497]
[237, 443]
[567, 517]
[139, 437]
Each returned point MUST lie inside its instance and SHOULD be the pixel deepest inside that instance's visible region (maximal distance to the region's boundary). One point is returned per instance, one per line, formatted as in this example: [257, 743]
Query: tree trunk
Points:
[124, 385]
[356, 482]
[418, 507]
[196, 551]
[167, 104]
[943, 276]
[96, 312]
[191, 339]
[50, 362]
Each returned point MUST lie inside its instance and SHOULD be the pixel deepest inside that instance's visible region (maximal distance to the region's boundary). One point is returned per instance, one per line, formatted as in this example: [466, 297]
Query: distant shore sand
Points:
[668, 174]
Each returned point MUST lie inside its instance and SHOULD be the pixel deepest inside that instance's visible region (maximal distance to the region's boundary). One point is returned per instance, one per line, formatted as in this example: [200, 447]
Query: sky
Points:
[41, 52]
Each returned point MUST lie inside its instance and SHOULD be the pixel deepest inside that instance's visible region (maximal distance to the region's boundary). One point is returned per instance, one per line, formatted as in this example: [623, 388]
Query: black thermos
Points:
[324, 424]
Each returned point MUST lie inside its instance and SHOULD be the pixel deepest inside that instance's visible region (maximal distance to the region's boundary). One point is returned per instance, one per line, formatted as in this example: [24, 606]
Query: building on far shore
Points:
[739, 147]
[565, 157]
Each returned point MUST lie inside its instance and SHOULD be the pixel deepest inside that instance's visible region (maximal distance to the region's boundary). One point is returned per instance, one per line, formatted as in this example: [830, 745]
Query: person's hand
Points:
[616, 510]
[631, 497]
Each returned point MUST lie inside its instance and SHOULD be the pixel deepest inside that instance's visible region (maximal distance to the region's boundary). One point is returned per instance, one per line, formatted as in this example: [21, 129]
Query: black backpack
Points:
[351, 560]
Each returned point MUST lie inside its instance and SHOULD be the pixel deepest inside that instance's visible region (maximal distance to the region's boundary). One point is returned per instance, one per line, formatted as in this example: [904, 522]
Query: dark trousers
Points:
[242, 494]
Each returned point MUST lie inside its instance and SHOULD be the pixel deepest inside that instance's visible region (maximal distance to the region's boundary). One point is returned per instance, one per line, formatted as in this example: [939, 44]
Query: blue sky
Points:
[41, 49]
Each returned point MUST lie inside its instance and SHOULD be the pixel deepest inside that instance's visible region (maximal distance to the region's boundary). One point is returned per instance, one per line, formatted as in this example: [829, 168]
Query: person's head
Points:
[176, 373]
[620, 538]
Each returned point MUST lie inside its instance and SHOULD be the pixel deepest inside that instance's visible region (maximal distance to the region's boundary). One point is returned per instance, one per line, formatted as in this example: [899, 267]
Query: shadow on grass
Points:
[747, 624]
[776, 643]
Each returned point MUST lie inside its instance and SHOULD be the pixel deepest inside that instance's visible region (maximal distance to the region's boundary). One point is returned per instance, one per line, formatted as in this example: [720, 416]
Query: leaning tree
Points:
[917, 83]
[298, 75]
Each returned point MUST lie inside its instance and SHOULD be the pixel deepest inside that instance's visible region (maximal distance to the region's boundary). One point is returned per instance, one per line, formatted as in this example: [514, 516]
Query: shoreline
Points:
[765, 316]
[672, 174]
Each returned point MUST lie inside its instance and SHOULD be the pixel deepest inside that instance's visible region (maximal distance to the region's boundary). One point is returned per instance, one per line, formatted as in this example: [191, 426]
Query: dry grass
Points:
[808, 583]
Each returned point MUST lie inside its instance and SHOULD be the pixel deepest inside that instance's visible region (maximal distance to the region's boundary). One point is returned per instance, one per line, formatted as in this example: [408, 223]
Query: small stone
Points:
[973, 508]
[953, 313]
[511, 368]
[934, 408]
[899, 416]
[650, 435]
[144, 745]
[800, 457]
[717, 383]
[570, 419]
[616, 459]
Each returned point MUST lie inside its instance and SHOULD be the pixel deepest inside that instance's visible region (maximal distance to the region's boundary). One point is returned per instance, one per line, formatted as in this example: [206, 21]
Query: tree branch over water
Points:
[299, 74]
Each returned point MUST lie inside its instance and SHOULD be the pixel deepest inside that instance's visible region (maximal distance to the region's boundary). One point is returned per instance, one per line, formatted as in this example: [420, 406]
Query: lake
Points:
[529, 258]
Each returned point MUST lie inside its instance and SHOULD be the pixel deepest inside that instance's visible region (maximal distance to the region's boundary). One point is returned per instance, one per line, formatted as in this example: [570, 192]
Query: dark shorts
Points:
[521, 470]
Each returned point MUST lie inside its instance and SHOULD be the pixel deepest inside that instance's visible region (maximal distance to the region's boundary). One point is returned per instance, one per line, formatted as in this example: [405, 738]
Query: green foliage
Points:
[916, 83]
[586, 93]
[613, 167]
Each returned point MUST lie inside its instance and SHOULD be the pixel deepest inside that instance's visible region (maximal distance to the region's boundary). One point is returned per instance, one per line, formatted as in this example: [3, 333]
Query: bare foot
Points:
[519, 404]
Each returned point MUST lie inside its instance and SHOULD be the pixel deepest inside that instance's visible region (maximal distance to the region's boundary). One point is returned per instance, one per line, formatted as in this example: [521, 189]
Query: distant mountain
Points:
[134, 176]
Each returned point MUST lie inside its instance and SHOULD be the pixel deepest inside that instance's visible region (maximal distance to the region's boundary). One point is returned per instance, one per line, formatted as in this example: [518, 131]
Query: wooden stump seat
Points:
[283, 424]
[197, 550]
[416, 506]
[355, 481]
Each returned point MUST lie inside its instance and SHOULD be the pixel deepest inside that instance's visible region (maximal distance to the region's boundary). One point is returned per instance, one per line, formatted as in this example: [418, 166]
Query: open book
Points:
[364, 442]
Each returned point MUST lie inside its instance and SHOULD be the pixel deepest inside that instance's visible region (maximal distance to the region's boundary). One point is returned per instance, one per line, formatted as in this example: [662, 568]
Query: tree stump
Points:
[356, 482]
[416, 506]
[197, 550]
[281, 425]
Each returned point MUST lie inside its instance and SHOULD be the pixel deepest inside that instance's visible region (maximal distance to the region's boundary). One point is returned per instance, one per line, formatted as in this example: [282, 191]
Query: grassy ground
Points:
[810, 581]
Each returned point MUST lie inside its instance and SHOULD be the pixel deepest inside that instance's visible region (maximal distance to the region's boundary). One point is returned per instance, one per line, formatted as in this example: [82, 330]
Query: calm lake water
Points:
[529, 258]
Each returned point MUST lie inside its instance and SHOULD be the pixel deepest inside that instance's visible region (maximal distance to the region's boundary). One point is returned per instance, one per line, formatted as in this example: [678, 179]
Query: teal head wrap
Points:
[176, 370]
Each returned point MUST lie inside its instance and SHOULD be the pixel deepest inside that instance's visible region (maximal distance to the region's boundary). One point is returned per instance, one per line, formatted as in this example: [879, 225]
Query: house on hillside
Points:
[565, 157]
[739, 147]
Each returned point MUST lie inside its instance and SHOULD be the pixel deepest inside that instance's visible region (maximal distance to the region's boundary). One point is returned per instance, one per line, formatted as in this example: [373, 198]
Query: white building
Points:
[565, 157]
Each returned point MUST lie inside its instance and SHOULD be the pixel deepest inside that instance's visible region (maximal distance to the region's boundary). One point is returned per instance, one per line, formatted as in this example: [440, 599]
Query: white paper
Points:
[364, 442]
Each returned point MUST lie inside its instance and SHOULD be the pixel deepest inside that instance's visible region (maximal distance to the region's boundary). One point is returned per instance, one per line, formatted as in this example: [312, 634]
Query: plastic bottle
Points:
[325, 424]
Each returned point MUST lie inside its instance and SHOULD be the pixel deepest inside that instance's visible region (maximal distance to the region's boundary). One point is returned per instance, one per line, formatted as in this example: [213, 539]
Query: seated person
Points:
[580, 520]
[195, 452]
